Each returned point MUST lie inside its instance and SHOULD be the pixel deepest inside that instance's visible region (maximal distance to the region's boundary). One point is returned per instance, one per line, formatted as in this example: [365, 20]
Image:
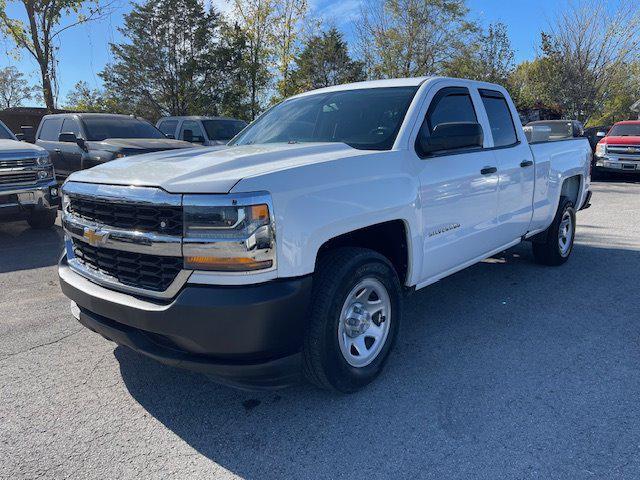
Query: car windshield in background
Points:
[367, 119]
[223, 130]
[101, 128]
[5, 134]
[625, 130]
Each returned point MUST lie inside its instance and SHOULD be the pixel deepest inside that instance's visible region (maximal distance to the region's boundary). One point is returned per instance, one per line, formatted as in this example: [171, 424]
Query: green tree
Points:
[324, 62]
[623, 92]
[173, 62]
[489, 58]
[45, 21]
[256, 18]
[289, 16]
[235, 85]
[83, 98]
[408, 38]
[584, 50]
[14, 88]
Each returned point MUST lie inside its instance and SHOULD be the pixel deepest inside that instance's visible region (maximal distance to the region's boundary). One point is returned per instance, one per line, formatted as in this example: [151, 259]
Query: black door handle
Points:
[526, 163]
[488, 170]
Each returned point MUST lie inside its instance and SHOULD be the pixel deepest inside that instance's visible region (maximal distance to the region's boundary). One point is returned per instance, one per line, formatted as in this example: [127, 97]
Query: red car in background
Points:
[619, 150]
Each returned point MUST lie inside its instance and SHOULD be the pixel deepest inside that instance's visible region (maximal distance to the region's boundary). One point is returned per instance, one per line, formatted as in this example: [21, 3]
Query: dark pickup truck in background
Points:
[77, 141]
[28, 190]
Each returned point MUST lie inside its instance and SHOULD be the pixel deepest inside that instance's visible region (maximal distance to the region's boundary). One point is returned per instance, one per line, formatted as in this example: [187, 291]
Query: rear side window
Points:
[168, 127]
[502, 128]
[50, 129]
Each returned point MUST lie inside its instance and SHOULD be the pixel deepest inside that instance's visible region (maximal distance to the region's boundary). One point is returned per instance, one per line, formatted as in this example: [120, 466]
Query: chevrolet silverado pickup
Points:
[28, 190]
[619, 150]
[286, 255]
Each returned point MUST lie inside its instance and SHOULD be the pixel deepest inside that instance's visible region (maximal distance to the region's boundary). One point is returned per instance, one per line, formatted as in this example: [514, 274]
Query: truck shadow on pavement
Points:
[504, 368]
[24, 248]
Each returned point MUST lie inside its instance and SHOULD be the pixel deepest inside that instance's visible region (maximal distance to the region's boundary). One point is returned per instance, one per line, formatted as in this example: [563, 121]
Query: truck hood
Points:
[14, 146]
[210, 169]
[151, 144]
[629, 140]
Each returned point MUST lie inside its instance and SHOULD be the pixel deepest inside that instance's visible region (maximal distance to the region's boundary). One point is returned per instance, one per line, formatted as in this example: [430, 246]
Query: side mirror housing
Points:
[450, 136]
[188, 135]
[67, 137]
[601, 134]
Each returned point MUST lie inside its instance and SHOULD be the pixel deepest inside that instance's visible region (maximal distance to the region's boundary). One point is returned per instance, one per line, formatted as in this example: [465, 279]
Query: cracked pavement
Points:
[505, 370]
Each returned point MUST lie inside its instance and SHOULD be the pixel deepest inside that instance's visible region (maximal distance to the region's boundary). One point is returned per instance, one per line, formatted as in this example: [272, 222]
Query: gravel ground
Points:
[505, 370]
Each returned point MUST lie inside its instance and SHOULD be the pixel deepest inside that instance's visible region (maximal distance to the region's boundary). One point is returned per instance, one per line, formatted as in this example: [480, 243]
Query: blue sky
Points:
[84, 50]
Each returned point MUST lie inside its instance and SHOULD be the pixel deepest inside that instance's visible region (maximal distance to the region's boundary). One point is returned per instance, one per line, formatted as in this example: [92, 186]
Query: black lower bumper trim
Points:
[275, 373]
[247, 335]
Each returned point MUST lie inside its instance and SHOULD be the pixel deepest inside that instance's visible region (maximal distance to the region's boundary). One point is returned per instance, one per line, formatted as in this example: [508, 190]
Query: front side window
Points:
[366, 119]
[101, 127]
[223, 130]
[168, 127]
[451, 106]
[50, 129]
[192, 132]
[502, 128]
[70, 125]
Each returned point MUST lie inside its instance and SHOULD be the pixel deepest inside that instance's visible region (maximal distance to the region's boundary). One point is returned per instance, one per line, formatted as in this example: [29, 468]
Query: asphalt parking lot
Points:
[505, 370]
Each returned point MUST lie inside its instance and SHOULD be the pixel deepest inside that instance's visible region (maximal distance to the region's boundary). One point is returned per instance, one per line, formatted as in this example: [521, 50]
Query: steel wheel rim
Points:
[364, 323]
[565, 233]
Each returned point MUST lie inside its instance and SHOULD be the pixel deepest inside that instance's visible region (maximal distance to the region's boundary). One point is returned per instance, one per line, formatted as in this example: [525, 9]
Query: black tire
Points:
[548, 250]
[337, 274]
[42, 219]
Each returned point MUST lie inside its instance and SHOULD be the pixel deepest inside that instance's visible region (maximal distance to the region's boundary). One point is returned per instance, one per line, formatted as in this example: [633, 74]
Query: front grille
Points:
[627, 151]
[132, 269]
[18, 178]
[22, 162]
[129, 216]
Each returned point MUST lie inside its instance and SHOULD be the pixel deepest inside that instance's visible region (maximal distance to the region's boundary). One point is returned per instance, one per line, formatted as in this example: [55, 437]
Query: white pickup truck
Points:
[286, 256]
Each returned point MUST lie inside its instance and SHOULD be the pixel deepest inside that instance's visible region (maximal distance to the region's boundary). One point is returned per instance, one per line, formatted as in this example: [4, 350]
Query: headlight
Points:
[228, 233]
[43, 161]
[601, 150]
[65, 202]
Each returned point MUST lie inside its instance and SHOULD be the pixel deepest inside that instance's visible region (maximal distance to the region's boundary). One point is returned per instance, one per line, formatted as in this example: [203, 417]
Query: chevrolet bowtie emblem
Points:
[93, 237]
[633, 150]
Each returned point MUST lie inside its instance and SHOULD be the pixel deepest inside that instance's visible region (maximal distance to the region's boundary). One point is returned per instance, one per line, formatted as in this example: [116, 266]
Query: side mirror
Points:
[188, 135]
[20, 137]
[67, 137]
[451, 136]
[601, 134]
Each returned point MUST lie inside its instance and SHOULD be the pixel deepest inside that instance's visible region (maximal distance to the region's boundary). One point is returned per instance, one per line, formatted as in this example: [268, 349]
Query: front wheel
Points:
[559, 237]
[354, 318]
[42, 218]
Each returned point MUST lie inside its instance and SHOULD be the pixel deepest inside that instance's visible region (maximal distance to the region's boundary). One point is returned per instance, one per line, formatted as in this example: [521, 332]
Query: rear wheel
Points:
[354, 318]
[42, 218]
[559, 237]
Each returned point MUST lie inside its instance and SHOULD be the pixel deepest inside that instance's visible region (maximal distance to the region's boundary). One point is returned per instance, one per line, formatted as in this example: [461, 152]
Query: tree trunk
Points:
[47, 89]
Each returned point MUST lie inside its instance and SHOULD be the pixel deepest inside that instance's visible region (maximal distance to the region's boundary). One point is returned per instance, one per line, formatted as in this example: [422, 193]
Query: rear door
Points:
[458, 191]
[70, 153]
[48, 139]
[516, 168]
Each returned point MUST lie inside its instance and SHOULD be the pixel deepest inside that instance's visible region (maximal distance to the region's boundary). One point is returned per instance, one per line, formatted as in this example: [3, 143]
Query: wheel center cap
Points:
[357, 320]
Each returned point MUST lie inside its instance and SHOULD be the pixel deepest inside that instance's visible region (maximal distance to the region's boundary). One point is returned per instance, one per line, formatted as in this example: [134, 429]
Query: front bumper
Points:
[607, 164]
[247, 336]
[19, 201]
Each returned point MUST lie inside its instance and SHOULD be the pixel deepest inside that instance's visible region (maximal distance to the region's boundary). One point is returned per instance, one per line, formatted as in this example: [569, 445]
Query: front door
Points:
[71, 153]
[458, 193]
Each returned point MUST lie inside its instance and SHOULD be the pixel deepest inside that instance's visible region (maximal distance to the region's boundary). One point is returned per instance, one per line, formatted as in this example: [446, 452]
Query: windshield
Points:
[625, 130]
[367, 119]
[101, 128]
[223, 130]
[5, 134]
